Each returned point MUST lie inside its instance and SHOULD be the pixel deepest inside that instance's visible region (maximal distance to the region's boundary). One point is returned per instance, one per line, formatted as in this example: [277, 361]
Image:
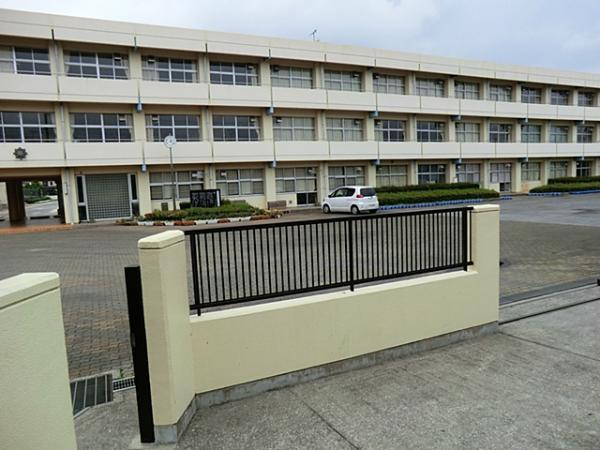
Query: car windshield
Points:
[368, 192]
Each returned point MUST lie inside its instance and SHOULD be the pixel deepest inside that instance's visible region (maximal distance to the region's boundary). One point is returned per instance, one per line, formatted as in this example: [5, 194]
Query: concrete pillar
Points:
[16, 203]
[36, 402]
[573, 133]
[451, 172]
[371, 174]
[369, 129]
[210, 177]
[451, 134]
[203, 68]
[270, 184]
[412, 174]
[69, 192]
[596, 167]
[547, 95]
[450, 92]
[319, 76]
[139, 126]
[264, 73]
[545, 171]
[517, 132]
[368, 80]
[411, 82]
[321, 126]
[143, 190]
[516, 177]
[485, 245]
[56, 59]
[322, 181]
[3, 197]
[572, 168]
[164, 269]
[411, 128]
[517, 93]
[485, 90]
[574, 97]
[484, 175]
[485, 130]
[135, 64]
[546, 132]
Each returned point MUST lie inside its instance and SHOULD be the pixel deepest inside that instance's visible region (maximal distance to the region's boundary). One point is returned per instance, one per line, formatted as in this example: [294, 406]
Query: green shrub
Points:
[35, 199]
[437, 195]
[571, 180]
[567, 187]
[185, 205]
[427, 187]
[227, 209]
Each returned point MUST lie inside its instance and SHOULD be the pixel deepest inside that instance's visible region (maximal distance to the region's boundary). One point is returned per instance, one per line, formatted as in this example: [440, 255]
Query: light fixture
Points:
[274, 163]
[144, 167]
[456, 118]
[524, 120]
[275, 68]
[376, 162]
[374, 113]
[139, 107]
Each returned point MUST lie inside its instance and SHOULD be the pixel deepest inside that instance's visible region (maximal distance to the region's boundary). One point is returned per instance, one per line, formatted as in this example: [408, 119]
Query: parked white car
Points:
[353, 199]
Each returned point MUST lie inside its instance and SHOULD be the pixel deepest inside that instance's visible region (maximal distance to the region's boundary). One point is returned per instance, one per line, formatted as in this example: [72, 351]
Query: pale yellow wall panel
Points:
[358, 101]
[541, 111]
[473, 71]
[511, 109]
[477, 107]
[183, 152]
[439, 68]
[293, 53]
[94, 36]
[299, 98]
[301, 151]
[510, 150]
[399, 150]
[541, 149]
[243, 151]
[482, 150]
[170, 42]
[440, 150]
[569, 149]
[237, 48]
[591, 149]
[27, 87]
[349, 58]
[38, 155]
[173, 93]
[439, 105]
[224, 95]
[97, 90]
[569, 112]
[398, 103]
[89, 154]
[353, 150]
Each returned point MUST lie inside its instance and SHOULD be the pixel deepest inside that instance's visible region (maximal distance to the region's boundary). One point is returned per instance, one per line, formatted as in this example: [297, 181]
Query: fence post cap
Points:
[26, 285]
[161, 240]
[485, 208]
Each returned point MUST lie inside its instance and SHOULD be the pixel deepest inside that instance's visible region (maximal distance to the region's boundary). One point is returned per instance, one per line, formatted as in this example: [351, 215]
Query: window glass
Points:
[343, 80]
[27, 127]
[429, 131]
[388, 84]
[467, 132]
[501, 93]
[430, 88]
[387, 130]
[339, 129]
[466, 90]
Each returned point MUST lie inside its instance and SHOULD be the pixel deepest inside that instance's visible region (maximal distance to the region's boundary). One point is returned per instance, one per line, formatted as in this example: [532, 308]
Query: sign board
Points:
[206, 198]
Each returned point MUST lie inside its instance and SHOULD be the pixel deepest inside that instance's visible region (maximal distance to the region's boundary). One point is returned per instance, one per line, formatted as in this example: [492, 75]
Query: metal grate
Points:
[90, 392]
[108, 196]
[123, 383]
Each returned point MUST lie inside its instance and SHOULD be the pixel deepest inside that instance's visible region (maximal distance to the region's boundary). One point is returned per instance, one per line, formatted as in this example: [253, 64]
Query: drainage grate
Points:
[123, 383]
[90, 392]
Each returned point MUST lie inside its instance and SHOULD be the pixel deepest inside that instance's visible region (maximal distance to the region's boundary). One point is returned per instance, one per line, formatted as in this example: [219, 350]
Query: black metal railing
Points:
[246, 263]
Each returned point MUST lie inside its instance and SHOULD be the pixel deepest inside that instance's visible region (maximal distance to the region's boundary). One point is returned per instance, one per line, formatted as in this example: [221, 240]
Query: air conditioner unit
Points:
[275, 68]
[355, 74]
[117, 57]
[278, 120]
[150, 60]
[356, 121]
[376, 76]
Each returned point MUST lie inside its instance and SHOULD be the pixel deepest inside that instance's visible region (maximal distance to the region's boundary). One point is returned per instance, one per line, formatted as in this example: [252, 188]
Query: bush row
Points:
[427, 187]
[571, 180]
[397, 198]
[567, 187]
[227, 209]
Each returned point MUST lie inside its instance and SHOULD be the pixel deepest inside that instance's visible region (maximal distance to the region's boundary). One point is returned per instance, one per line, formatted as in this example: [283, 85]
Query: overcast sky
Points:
[548, 33]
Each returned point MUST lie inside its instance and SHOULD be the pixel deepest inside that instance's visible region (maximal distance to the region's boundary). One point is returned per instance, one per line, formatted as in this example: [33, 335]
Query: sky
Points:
[562, 34]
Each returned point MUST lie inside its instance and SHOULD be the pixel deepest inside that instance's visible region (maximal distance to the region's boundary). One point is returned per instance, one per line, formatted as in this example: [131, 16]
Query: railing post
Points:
[465, 239]
[350, 237]
[139, 350]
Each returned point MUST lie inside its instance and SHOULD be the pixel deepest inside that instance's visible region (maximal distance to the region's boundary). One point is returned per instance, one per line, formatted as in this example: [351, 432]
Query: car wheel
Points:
[326, 209]
[354, 210]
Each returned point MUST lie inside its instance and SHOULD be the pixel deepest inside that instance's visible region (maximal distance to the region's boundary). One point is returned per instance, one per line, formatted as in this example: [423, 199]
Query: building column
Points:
[545, 171]
[411, 82]
[595, 168]
[322, 181]
[572, 168]
[450, 92]
[370, 129]
[16, 202]
[368, 80]
[135, 64]
[143, 191]
[574, 98]
[270, 185]
[451, 125]
[3, 197]
[412, 175]
[517, 132]
[69, 192]
[210, 177]
[319, 74]
[517, 93]
[451, 172]
[371, 174]
[485, 130]
[321, 126]
[546, 132]
[411, 128]
[547, 95]
[516, 177]
[485, 90]
[264, 73]
[484, 175]
[203, 68]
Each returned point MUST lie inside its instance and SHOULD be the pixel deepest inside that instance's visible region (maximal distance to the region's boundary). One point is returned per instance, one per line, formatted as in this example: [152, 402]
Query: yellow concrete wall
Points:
[239, 345]
[35, 400]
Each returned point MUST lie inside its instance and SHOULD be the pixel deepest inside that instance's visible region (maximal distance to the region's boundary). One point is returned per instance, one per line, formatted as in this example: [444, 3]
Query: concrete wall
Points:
[35, 410]
[198, 354]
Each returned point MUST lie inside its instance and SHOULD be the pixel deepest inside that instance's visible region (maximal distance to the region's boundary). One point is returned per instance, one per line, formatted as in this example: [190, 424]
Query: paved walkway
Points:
[90, 261]
[533, 385]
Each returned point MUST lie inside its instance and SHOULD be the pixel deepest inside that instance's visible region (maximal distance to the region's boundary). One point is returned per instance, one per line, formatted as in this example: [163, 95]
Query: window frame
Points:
[430, 131]
[239, 181]
[395, 127]
[305, 176]
[166, 183]
[13, 60]
[151, 128]
[526, 136]
[237, 127]
[498, 93]
[42, 128]
[468, 173]
[304, 82]
[497, 131]
[354, 133]
[124, 58]
[293, 128]
[382, 84]
[531, 95]
[585, 137]
[250, 76]
[467, 90]
[349, 80]
[465, 133]
[433, 87]
[103, 127]
[156, 70]
[556, 97]
[431, 175]
[531, 171]
[559, 137]
[385, 179]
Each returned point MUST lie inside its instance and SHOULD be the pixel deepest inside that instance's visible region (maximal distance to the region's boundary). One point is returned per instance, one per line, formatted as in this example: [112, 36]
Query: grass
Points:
[437, 195]
[567, 187]
[227, 209]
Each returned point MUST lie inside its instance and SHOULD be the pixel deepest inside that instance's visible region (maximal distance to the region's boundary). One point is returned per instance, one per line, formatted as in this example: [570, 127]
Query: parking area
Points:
[544, 242]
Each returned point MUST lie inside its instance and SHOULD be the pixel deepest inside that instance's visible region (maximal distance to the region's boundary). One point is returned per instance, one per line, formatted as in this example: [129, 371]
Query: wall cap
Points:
[485, 208]
[161, 240]
[27, 285]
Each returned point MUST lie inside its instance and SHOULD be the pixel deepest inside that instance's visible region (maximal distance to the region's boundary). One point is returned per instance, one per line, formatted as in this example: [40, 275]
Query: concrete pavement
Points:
[534, 385]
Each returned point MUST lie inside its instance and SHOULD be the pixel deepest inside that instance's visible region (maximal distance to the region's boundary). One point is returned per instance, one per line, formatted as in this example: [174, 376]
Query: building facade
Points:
[87, 103]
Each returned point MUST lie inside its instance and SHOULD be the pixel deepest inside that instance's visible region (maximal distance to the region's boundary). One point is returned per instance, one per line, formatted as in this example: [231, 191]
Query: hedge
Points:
[571, 180]
[567, 187]
[437, 195]
[227, 209]
[427, 187]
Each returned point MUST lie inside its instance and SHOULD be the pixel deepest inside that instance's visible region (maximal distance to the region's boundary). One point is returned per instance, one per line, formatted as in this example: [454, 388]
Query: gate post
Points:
[139, 350]
[164, 270]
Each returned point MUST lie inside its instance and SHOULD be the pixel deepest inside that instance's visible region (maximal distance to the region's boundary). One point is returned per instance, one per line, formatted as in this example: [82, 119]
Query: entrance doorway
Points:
[32, 200]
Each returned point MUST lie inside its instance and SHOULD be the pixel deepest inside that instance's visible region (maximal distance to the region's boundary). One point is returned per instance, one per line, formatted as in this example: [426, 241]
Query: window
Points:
[23, 60]
[389, 130]
[559, 133]
[430, 131]
[500, 132]
[175, 70]
[531, 171]
[388, 84]
[467, 132]
[585, 134]
[294, 129]
[346, 176]
[296, 179]
[531, 134]
[185, 181]
[585, 98]
[27, 127]
[583, 169]
[292, 77]
[531, 95]
[101, 127]
[429, 88]
[468, 173]
[431, 173]
[236, 74]
[466, 90]
[185, 128]
[392, 175]
[97, 65]
[342, 80]
[234, 182]
[344, 129]
[558, 169]
[236, 128]
[559, 97]
[500, 173]
[500, 93]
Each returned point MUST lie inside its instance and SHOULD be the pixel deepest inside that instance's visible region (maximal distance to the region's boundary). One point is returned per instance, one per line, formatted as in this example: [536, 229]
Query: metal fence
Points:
[247, 263]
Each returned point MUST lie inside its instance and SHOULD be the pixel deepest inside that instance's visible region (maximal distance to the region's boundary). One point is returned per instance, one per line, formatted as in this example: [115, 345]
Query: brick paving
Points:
[90, 261]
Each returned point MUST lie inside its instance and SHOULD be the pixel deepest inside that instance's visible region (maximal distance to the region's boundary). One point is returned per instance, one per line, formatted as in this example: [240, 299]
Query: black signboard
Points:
[206, 198]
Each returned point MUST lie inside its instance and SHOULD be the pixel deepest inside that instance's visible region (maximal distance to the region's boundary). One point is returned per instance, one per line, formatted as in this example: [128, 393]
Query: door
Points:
[108, 196]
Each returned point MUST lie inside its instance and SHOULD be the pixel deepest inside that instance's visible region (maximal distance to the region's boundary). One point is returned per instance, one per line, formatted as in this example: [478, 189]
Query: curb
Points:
[430, 204]
[594, 191]
[545, 194]
[185, 223]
